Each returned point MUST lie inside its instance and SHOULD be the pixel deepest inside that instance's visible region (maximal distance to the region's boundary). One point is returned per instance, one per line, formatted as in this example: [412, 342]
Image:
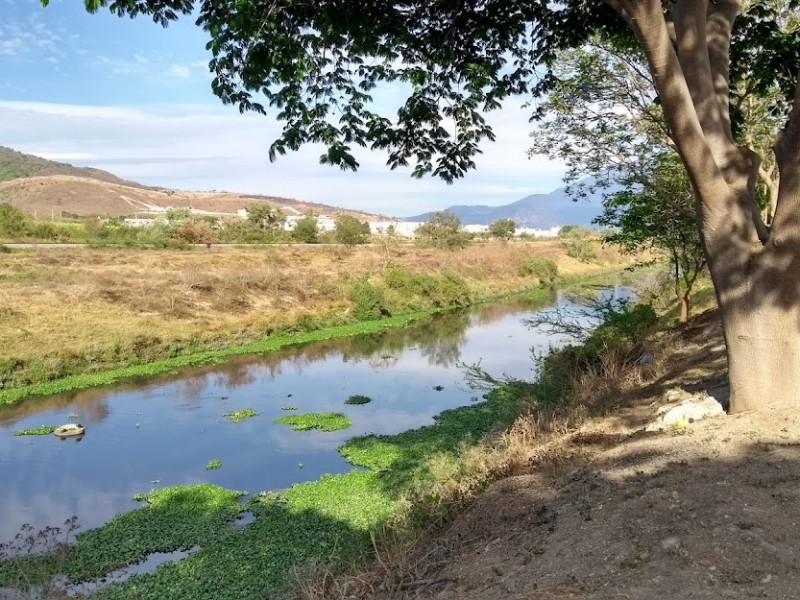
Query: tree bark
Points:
[755, 270]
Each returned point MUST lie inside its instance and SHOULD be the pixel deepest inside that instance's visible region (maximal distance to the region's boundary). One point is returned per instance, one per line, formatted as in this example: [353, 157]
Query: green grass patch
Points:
[323, 421]
[214, 463]
[239, 415]
[326, 521]
[42, 430]
[358, 399]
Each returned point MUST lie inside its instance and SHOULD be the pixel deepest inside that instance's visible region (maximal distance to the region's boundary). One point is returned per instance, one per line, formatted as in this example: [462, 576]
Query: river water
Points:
[162, 431]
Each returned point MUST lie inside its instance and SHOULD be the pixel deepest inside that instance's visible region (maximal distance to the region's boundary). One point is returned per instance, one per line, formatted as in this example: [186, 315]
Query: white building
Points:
[401, 228]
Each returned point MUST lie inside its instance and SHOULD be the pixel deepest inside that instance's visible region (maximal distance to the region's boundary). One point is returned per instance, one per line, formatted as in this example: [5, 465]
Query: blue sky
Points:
[134, 98]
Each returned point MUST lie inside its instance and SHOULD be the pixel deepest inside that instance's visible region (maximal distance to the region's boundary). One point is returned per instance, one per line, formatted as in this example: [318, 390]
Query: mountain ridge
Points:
[44, 187]
[536, 211]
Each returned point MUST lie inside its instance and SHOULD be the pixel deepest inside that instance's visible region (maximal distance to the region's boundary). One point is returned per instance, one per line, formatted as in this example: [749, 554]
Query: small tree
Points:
[443, 230]
[350, 231]
[196, 232]
[305, 231]
[660, 215]
[265, 216]
[503, 229]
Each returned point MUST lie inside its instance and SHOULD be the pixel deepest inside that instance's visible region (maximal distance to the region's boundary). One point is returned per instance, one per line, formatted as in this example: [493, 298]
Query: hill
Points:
[17, 165]
[46, 188]
[540, 211]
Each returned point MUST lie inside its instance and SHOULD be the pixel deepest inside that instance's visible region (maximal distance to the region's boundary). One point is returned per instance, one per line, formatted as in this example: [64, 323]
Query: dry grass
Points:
[81, 300]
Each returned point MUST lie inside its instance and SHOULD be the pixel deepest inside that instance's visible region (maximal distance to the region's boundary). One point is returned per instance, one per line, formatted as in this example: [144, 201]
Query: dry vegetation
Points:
[589, 505]
[97, 304]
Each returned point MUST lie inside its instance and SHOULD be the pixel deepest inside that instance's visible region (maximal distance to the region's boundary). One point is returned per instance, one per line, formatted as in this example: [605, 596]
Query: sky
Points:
[133, 98]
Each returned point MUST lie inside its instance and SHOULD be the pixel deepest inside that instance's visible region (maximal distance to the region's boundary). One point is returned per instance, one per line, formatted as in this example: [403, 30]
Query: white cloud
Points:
[214, 147]
[181, 71]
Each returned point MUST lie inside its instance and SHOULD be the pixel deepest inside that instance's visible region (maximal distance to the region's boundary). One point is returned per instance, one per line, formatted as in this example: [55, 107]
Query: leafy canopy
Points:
[350, 231]
[317, 64]
[443, 230]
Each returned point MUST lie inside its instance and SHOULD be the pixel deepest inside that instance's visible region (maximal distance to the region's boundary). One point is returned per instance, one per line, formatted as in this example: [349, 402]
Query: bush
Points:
[196, 232]
[448, 289]
[624, 328]
[305, 231]
[369, 302]
[13, 222]
[545, 270]
[581, 249]
[350, 231]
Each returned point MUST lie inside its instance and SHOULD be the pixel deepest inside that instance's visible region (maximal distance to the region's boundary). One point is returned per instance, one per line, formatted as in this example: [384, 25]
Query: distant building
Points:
[401, 228]
[138, 222]
[552, 232]
[324, 222]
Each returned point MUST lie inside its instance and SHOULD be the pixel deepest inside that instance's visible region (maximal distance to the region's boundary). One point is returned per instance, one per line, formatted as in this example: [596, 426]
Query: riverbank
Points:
[76, 316]
[589, 502]
[412, 481]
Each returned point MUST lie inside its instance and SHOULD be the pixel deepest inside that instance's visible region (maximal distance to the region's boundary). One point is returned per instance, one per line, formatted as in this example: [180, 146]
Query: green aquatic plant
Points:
[323, 421]
[214, 463]
[358, 399]
[289, 407]
[239, 415]
[42, 430]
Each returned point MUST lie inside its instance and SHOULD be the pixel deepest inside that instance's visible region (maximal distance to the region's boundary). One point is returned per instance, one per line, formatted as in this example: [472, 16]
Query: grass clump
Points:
[239, 415]
[323, 421]
[358, 399]
[214, 463]
[544, 269]
[42, 430]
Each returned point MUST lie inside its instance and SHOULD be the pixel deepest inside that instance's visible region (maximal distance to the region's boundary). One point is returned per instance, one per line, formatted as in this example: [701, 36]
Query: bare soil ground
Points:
[48, 196]
[609, 511]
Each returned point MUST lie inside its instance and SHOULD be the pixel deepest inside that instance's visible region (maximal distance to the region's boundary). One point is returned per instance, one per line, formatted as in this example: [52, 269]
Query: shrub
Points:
[545, 270]
[305, 231]
[13, 222]
[448, 289]
[350, 231]
[581, 249]
[196, 232]
[369, 302]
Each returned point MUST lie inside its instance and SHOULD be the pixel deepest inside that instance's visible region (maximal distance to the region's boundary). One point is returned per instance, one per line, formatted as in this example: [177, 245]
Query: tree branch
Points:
[693, 50]
[649, 26]
[719, 27]
[787, 155]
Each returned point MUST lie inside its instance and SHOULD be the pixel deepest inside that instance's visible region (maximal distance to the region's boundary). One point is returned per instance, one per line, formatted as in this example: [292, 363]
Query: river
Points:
[146, 434]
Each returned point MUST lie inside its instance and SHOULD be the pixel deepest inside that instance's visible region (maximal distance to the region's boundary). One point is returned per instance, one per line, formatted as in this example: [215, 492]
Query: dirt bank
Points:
[710, 509]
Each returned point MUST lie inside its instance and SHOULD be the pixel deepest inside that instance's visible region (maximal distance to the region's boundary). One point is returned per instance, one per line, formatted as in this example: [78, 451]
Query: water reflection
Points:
[162, 431]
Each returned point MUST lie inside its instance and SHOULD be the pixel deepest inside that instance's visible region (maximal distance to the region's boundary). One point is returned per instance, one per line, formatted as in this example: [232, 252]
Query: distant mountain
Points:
[538, 211]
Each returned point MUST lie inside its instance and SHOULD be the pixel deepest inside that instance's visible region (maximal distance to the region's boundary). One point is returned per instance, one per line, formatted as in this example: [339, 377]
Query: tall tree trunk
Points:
[758, 292]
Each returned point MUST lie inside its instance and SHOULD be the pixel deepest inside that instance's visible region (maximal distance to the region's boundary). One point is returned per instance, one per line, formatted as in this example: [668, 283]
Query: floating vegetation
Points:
[214, 463]
[42, 430]
[288, 407]
[323, 421]
[358, 399]
[238, 415]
